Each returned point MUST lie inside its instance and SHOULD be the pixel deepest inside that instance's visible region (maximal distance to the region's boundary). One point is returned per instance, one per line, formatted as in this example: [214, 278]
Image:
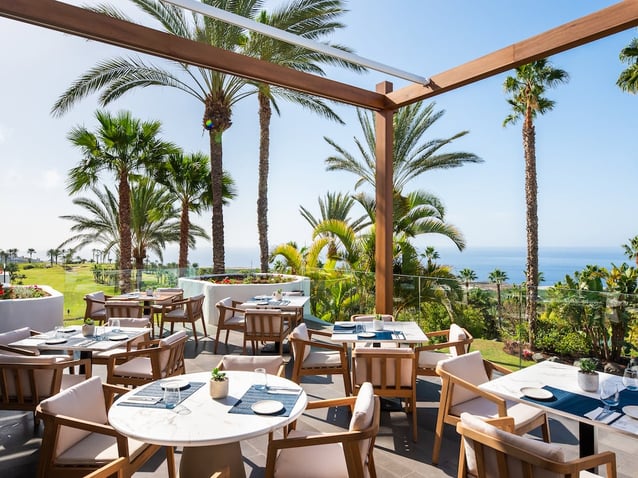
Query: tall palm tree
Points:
[217, 92]
[121, 145]
[311, 19]
[30, 252]
[527, 90]
[628, 78]
[187, 176]
[467, 276]
[498, 277]
[631, 249]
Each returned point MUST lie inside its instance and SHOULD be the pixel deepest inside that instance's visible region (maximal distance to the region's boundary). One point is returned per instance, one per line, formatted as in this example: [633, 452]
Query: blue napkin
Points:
[156, 390]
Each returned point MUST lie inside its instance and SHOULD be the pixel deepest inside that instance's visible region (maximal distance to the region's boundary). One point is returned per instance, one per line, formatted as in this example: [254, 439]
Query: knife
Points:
[603, 414]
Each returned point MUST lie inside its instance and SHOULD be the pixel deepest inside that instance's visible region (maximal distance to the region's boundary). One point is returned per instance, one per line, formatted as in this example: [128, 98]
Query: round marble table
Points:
[209, 434]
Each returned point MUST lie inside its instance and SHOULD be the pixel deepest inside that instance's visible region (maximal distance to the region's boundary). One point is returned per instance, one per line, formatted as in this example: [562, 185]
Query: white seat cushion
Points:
[456, 334]
[470, 368]
[137, 367]
[480, 407]
[301, 333]
[99, 448]
[251, 362]
[322, 358]
[320, 461]
[360, 358]
[429, 359]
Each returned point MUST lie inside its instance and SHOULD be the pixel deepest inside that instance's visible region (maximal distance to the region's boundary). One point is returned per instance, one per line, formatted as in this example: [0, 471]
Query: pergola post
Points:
[384, 133]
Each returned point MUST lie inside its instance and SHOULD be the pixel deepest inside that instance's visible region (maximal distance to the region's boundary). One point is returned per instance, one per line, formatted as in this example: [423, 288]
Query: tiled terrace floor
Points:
[396, 456]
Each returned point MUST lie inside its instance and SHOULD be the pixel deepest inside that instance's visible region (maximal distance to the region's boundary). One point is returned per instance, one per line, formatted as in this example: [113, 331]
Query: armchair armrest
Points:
[323, 345]
[607, 458]
[325, 333]
[18, 350]
[498, 401]
[331, 402]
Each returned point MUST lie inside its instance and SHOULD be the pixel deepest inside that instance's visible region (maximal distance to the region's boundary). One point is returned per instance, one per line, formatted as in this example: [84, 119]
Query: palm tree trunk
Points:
[184, 224]
[531, 200]
[124, 192]
[139, 267]
[217, 221]
[265, 113]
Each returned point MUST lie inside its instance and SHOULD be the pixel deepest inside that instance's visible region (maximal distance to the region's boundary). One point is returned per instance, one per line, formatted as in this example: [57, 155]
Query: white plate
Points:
[177, 383]
[347, 325]
[537, 393]
[54, 341]
[631, 410]
[263, 302]
[367, 335]
[262, 297]
[267, 407]
[68, 330]
[118, 337]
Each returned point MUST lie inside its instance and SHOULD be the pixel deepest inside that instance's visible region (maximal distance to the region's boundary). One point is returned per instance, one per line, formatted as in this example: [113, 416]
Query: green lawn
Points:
[493, 351]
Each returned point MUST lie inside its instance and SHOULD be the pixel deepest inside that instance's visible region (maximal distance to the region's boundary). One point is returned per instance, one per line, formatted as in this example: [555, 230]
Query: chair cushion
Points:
[171, 339]
[14, 335]
[83, 401]
[521, 413]
[468, 367]
[133, 322]
[322, 358]
[363, 408]
[251, 362]
[301, 333]
[318, 461]
[407, 365]
[99, 448]
[139, 367]
[456, 334]
[549, 451]
[175, 314]
[429, 359]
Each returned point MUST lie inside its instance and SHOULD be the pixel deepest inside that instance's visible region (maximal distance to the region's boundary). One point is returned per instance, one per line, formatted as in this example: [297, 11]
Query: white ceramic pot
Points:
[218, 388]
[588, 381]
[88, 330]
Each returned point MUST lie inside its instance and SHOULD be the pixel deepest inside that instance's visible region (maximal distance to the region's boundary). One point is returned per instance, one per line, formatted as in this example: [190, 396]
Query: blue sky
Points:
[585, 147]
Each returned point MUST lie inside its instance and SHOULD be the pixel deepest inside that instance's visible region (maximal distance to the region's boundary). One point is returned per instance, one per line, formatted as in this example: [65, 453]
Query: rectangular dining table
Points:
[566, 399]
[399, 332]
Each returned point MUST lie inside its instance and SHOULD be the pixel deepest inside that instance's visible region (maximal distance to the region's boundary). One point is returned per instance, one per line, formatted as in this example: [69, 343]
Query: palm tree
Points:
[527, 100]
[30, 252]
[631, 249]
[218, 92]
[311, 19]
[52, 253]
[467, 276]
[498, 277]
[187, 176]
[628, 78]
[122, 145]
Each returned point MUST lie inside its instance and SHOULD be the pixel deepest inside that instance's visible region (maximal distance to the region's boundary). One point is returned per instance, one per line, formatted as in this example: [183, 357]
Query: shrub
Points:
[555, 335]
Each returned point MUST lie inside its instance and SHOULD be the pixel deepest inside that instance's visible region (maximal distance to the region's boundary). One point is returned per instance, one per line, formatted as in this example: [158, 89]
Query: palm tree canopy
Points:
[528, 87]
[335, 206]
[498, 276]
[411, 155]
[628, 78]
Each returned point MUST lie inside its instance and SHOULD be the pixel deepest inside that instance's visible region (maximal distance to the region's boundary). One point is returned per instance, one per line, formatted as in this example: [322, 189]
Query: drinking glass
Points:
[172, 396]
[261, 379]
[630, 379]
[57, 331]
[115, 325]
[609, 394]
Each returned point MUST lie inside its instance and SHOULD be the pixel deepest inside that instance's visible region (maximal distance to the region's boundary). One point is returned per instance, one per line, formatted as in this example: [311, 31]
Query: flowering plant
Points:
[22, 292]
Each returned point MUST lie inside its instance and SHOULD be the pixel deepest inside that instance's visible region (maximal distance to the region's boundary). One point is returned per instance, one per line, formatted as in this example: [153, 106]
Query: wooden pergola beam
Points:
[85, 23]
[605, 22]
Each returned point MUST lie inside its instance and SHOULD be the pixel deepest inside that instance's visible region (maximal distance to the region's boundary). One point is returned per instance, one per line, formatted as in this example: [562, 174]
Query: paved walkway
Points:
[396, 456]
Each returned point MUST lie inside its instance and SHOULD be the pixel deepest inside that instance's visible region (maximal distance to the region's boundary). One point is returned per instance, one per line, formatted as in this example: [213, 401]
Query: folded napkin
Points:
[627, 424]
[608, 418]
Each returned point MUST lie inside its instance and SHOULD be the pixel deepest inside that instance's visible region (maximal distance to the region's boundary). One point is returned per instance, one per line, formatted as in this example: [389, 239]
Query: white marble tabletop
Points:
[268, 302]
[74, 340]
[408, 333]
[206, 421]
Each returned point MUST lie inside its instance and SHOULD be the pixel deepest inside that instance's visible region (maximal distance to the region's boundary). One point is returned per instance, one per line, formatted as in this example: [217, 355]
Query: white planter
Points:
[218, 388]
[588, 381]
[40, 313]
[213, 293]
[88, 330]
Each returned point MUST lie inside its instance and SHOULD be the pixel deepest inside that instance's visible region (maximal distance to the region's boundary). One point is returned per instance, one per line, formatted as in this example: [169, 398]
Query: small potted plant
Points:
[377, 323]
[587, 375]
[88, 328]
[218, 384]
[278, 295]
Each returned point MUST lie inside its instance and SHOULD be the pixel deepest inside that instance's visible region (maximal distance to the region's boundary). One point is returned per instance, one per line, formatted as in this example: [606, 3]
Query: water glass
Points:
[172, 396]
[630, 379]
[57, 331]
[115, 325]
[609, 394]
[261, 379]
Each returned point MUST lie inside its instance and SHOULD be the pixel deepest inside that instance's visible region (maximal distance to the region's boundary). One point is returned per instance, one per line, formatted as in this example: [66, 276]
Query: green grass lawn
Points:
[493, 351]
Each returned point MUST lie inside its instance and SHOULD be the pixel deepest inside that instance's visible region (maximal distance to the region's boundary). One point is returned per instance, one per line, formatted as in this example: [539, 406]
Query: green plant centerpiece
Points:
[587, 375]
[218, 384]
[88, 328]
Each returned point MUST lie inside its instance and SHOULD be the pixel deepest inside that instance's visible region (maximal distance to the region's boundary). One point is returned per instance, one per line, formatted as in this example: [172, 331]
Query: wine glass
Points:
[630, 379]
[609, 394]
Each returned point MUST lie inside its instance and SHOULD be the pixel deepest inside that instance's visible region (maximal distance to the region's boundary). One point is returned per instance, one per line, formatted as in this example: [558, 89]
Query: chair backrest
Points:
[495, 453]
[83, 401]
[131, 322]
[364, 415]
[272, 364]
[123, 308]
[469, 367]
[371, 317]
[388, 369]
[195, 307]
[94, 303]
[265, 322]
[462, 338]
[171, 355]
[300, 333]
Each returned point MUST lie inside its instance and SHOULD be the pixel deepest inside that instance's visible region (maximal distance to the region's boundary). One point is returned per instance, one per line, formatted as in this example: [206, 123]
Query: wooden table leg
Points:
[204, 461]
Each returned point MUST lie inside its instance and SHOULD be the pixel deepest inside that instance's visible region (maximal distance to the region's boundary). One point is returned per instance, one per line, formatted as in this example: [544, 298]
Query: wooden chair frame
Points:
[50, 469]
[503, 450]
[461, 347]
[281, 370]
[349, 439]
[448, 384]
[299, 371]
[193, 311]
[267, 325]
[123, 309]
[222, 325]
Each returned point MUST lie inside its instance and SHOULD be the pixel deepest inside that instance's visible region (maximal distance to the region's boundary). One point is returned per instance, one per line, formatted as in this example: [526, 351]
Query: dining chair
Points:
[95, 307]
[267, 325]
[392, 373]
[27, 380]
[456, 340]
[274, 365]
[123, 309]
[77, 438]
[15, 335]
[188, 310]
[347, 454]
[156, 307]
[489, 449]
[313, 357]
[102, 357]
[230, 318]
[460, 392]
[153, 360]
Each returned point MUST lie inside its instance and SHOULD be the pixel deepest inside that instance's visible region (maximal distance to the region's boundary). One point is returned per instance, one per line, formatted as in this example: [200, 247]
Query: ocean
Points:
[554, 262]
